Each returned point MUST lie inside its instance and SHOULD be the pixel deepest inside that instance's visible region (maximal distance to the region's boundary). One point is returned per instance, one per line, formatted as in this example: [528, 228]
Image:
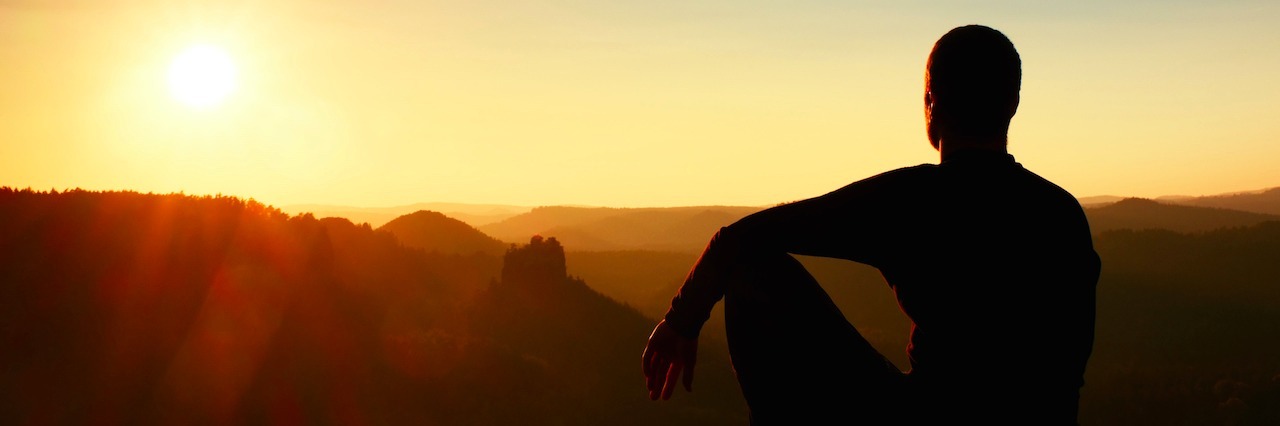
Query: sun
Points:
[202, 76]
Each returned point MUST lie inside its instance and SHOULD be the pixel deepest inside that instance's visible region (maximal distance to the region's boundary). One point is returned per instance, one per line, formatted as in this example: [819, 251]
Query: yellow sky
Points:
[619, 103]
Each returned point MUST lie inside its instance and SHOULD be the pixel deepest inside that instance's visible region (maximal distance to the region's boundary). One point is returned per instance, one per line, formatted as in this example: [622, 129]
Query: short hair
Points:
[977, 73]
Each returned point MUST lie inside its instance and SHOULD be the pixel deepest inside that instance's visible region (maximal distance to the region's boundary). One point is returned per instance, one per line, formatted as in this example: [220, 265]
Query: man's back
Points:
[996, 269]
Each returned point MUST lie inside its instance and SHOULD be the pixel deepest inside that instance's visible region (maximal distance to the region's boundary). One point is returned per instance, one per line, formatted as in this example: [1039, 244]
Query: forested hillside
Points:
[128, 308]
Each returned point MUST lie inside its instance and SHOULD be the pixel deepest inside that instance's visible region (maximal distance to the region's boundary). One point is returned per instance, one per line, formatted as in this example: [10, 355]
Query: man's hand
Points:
[667, 355]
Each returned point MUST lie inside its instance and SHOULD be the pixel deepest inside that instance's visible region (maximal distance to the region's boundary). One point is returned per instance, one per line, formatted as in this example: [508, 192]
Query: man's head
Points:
[971, 86]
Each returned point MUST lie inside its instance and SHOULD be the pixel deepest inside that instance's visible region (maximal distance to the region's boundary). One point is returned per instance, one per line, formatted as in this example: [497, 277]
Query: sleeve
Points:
[849, 223]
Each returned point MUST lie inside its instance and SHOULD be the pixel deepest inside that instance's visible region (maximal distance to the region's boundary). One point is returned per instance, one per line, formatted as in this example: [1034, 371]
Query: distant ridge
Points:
[472, 214]
[682, 229]
[1265, 201]
[686, 229]
[1141, 213]
[433, 231]
[1098, 200]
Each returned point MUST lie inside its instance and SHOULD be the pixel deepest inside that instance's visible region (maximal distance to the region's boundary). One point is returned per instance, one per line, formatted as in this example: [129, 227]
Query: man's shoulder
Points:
[895, 179]
[1049, 187]
[889, 189]
[909, 172]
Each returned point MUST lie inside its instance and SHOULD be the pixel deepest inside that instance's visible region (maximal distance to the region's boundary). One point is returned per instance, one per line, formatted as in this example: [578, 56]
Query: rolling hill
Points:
[433, 231]
[1265, 201]
[1138, 213]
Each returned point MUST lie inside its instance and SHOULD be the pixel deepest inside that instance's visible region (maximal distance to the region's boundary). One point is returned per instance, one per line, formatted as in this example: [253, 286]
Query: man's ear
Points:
[934, 119]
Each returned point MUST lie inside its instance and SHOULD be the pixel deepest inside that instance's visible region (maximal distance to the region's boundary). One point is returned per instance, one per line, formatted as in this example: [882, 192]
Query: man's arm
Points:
[847, 223]
[850, 223]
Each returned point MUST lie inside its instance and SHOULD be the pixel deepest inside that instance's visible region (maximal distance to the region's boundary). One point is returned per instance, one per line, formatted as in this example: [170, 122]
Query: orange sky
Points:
[623, 103]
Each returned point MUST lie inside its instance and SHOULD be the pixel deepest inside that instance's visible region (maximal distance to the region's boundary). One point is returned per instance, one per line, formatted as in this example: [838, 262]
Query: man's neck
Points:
[950, 147]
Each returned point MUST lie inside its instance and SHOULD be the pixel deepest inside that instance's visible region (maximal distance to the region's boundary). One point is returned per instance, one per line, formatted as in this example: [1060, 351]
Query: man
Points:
[993, 264]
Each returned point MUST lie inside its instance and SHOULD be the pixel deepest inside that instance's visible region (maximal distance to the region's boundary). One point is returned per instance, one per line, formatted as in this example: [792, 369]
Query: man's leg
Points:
[797, 358]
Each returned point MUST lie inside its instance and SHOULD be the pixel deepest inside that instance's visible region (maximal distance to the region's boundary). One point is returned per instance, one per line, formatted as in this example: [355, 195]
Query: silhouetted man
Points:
[993, 264]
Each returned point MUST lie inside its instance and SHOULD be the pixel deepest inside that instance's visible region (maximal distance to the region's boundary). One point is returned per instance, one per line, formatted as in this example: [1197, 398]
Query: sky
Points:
[619, 103]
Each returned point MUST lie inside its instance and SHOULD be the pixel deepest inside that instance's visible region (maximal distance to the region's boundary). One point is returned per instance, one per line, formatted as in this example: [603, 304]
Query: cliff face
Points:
[540, 264]
[581, 347]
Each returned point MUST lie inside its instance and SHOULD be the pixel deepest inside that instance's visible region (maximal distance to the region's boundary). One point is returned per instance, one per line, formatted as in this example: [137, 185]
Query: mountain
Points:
[472, 214]
[1265, 201]
[682, 229]
[433, 231]
[1139, 213]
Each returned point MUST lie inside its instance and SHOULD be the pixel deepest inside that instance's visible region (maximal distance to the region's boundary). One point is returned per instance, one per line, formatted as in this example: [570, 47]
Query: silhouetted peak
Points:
[426, 214]
[427, 217]
[434, 231]
[1144, 213]
[539, 263]
[1136, 202]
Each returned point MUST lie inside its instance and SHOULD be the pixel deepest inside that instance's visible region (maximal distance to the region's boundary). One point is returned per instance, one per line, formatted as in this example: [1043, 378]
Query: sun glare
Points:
[202, 76]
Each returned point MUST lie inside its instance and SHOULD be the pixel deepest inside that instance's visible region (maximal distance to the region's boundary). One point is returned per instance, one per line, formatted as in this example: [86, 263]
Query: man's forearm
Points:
[703, 287]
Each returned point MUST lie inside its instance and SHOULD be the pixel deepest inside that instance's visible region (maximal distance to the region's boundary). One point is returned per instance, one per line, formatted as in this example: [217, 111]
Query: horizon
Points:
[296, 207]
[625, 105]
[1078, 197]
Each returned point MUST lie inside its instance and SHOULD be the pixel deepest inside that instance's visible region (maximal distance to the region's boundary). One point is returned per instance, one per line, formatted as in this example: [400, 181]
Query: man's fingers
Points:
[692, 359]
[666, 359]
[656, 376]
[658, 365]
[645, 358]
[688, 378]
[669, 382]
